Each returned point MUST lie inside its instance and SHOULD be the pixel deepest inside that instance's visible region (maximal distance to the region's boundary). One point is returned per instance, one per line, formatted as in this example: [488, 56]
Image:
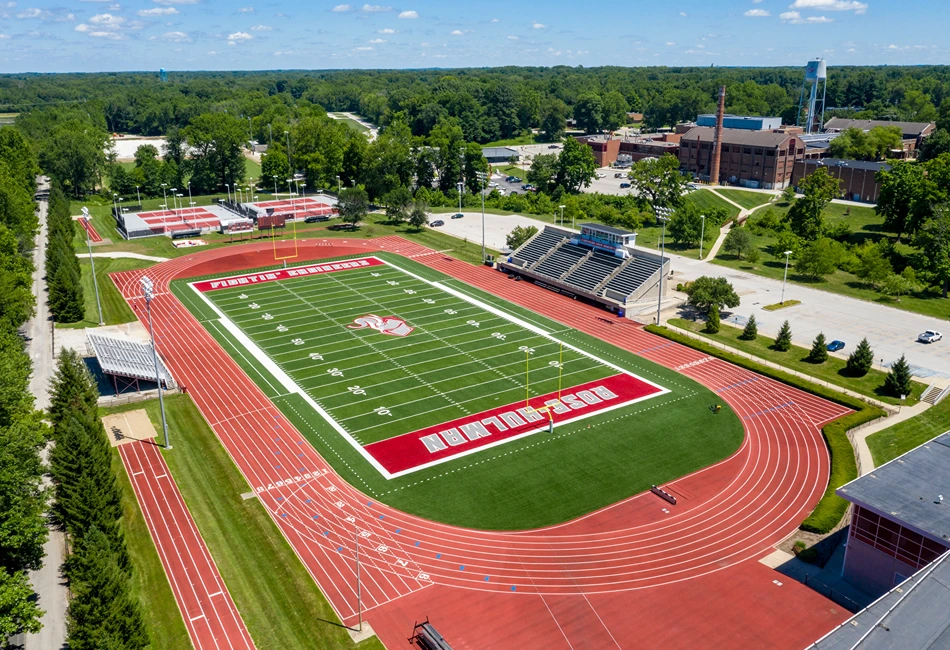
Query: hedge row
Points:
[831, 508]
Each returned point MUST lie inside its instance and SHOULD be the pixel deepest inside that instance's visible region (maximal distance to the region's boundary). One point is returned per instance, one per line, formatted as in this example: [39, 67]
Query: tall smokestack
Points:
[717, 140]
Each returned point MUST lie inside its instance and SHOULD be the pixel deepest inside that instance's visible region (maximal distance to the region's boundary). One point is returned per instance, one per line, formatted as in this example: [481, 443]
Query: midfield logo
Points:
[383, 324]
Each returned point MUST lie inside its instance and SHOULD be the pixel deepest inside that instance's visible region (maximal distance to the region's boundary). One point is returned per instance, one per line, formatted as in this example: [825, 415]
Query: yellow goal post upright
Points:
[544, 410]
[273, 238]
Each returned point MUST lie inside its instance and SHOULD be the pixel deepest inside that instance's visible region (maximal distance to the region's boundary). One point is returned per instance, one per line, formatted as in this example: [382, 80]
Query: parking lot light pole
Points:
[483, 177]
[702, 236]
[562, 215]
[147, 293]
[785, 277]
[662, 215]
[92, 264]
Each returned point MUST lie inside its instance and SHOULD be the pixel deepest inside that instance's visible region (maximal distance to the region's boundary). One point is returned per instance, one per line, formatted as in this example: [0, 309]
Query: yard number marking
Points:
[473, 323]
[392, 283]
[555, 364]
[499, 336]
[375, 275]
[525, 348]
[428, 301]
[356, 390]
[450, 312]
[409, 291]
[297, 341]
[316, 356]
[334, 372]
[267, 317]
[382, 410]
[243, 296]
[254, 305]
[282, 328]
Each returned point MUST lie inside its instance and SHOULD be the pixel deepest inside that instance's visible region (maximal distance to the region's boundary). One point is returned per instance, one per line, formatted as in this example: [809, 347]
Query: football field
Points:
[446, 401]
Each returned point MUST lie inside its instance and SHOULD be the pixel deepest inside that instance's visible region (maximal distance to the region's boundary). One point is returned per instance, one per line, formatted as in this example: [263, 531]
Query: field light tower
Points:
[92, 263]
[662, 215]
[483, 182]
[148, 294]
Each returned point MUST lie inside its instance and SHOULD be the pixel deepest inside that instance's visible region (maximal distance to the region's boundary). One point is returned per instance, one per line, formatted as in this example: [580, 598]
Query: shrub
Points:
[819, 350]
[861, 360]
[783, 342]
[712, 320]
[751, 330]
[897, 382]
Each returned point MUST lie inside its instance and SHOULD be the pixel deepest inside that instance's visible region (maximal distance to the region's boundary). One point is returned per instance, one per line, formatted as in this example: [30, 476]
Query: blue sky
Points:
[107, 35]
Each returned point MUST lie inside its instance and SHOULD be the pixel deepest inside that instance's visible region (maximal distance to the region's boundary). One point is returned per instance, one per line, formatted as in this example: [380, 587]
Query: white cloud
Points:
[512, 38]
[377, 41]
[3, 36]
[387, 31]
[362, 49]
[245, 10]
[176, 37]
[537, 25]
[795, 18]
[176, 2]
[831, 5]
[670, 43]
[755, 2]
[457, 32]
[107, 19]
[262, 28]
[342, 8]
[410, 15]
[287, 53]
[239, 36]
[375, 9]
[112, 36]
[32, 12]
[495, 20]
[757, 13]
[212, 53]
[682, 13]
[157, 11]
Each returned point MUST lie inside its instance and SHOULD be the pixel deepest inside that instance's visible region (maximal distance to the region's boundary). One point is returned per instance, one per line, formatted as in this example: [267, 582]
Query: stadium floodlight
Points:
[92, 262]
[662, 215]
[228, 189]
[562, 217]
[483, 177]
[139, 195]
[702, 234]
[787, 254]
[148, 293]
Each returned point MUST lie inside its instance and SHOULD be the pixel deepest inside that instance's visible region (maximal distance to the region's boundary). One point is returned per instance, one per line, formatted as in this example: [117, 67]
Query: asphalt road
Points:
[891, 332]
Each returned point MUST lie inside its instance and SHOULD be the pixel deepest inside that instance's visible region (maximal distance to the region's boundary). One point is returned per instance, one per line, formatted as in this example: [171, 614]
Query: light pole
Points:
[180, 203]
[293, 204]
[173, 191]
[338, 185]
[562, 215]
[702, 235]
[287, 133]
[191, 202]
[227, 188]
[139, 195]
[147, 293]
[662, 215]
[460, 185]
[115, 205]
[483, 177]
[785, 277]
[92, 263]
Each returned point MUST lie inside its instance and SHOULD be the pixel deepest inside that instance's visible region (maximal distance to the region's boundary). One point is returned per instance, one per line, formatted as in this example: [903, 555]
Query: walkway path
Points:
[132, 256]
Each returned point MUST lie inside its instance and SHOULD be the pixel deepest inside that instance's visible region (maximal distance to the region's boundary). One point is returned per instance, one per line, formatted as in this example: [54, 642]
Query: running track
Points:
[86, 225]
[630, 575]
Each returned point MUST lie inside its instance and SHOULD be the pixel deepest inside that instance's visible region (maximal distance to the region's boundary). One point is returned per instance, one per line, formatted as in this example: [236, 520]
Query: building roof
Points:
[739, 136]
[912, 616]
[852, 164]
[498, 152]
[907, 128]
[127, 358]
[609, 229]
[908, 489]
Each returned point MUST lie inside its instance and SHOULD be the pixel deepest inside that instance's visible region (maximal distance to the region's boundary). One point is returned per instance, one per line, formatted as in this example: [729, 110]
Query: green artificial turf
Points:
[541, 479]
[166, 629]
[833, 370]
[893, 441]
[114, 308]
[278, 600]
[748, 200]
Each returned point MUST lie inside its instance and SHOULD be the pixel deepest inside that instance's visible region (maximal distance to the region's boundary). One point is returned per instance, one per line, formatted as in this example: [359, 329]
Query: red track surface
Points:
[630, 575]
[206, 606]
[94, 236]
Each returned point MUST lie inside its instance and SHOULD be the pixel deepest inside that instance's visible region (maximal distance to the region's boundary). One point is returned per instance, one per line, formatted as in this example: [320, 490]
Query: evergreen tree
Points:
[712, 320]
[783, 342]
[751, 330]
[897, 382]
[860, 361]
[819, 349]
[72, 390]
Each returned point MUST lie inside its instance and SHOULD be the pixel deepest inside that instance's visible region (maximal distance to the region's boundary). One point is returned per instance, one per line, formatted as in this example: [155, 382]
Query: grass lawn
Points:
[705, 200]
[525, 138]
[114, 308]
[648, 236]
[832, 370]
[865, 224]
[746, 199]
[902, 437]
[511, 170]
[166, 629]
[252, 168]
[278, 600]
[543, 479]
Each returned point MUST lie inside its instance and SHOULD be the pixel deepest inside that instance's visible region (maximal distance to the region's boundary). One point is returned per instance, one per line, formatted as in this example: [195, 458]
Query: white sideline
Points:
[292, 388]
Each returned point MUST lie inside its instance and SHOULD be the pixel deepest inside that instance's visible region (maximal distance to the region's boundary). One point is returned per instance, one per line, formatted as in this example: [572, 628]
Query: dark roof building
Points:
[901, 520]
[857, 178]
[499, 154]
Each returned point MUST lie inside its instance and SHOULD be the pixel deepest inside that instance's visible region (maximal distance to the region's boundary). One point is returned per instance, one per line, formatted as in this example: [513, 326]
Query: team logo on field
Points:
[383, 324]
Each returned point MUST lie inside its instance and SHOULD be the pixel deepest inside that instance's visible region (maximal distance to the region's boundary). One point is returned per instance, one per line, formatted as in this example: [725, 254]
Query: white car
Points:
[601, 175]
[930, 336]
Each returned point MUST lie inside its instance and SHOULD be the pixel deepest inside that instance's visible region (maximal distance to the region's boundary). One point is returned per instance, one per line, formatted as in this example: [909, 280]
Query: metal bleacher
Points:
[536, 248]
[130, 359]
[593, 271]
[561, 260]
[638, 271]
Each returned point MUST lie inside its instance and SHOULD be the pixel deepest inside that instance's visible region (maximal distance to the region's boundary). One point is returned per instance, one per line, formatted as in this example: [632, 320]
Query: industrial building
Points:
[749, 123]
[900, 522]
[857, 178]
[609, 150]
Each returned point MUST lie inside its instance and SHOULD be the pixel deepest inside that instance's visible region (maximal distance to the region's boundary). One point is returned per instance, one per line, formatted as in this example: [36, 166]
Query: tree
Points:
[19, 612]
[785, 241]
[418, 217]
[898, 284]
[933, 240]
[819, 258]
[898, 380]
[935, 144]
[751, 330]
[788, 194]
[861, 360]
[543, 171]
[712, 320]
[819, 350]
[615, 110]
[553, 120]
[23, 498]
[705, 292]
[805, 216]
[16, 282]
[904, 197]
[738, 241]
[783, 342]
[353, 205]
[576, 166]
[216, 141]
[686, 225]
[657, 182]
[874, 144]
[275, 170]
[447, 138]
[589, 113]
[398, 204]
[74, 152]
[519, 235]
[873, 266]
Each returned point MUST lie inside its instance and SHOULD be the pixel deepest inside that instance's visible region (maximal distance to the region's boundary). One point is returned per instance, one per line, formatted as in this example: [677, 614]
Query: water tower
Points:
[163, 75]
[816, 74]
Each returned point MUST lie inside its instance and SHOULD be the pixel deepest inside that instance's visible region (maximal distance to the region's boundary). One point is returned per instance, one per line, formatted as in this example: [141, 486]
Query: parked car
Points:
[619, 175]
[624, 186]
[437, 223]
[513, 179]
[493, 184]
[552, 146]
[930, 336]
[457, 215]
[835, 345]
[601, 175]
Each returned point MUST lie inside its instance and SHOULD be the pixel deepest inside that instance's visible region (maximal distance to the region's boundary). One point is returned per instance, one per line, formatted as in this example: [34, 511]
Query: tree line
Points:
[63, 273]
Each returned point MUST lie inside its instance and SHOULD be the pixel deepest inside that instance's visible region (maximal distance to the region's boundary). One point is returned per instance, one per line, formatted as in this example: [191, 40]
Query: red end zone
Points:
[459, 437]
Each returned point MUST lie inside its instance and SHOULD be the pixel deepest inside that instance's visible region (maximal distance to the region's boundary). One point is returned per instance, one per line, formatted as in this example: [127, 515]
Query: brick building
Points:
[762, 159]
[857, 178]
[900, 522]
[606, 149]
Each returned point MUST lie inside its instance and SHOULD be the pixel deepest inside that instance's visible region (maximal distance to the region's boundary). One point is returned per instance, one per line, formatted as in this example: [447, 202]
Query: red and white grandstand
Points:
[294, 208]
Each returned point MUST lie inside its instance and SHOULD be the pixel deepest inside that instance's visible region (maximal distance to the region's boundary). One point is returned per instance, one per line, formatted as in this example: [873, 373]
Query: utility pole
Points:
[147, 293]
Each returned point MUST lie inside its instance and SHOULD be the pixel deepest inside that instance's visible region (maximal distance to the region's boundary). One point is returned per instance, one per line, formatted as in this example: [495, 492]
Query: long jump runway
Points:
[634, 574]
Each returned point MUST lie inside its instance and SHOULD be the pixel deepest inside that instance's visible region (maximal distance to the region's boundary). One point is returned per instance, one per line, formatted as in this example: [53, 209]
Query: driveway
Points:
[890, 331]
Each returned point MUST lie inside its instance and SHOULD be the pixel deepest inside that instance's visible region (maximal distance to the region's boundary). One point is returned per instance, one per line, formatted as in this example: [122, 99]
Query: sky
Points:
[119, 35]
